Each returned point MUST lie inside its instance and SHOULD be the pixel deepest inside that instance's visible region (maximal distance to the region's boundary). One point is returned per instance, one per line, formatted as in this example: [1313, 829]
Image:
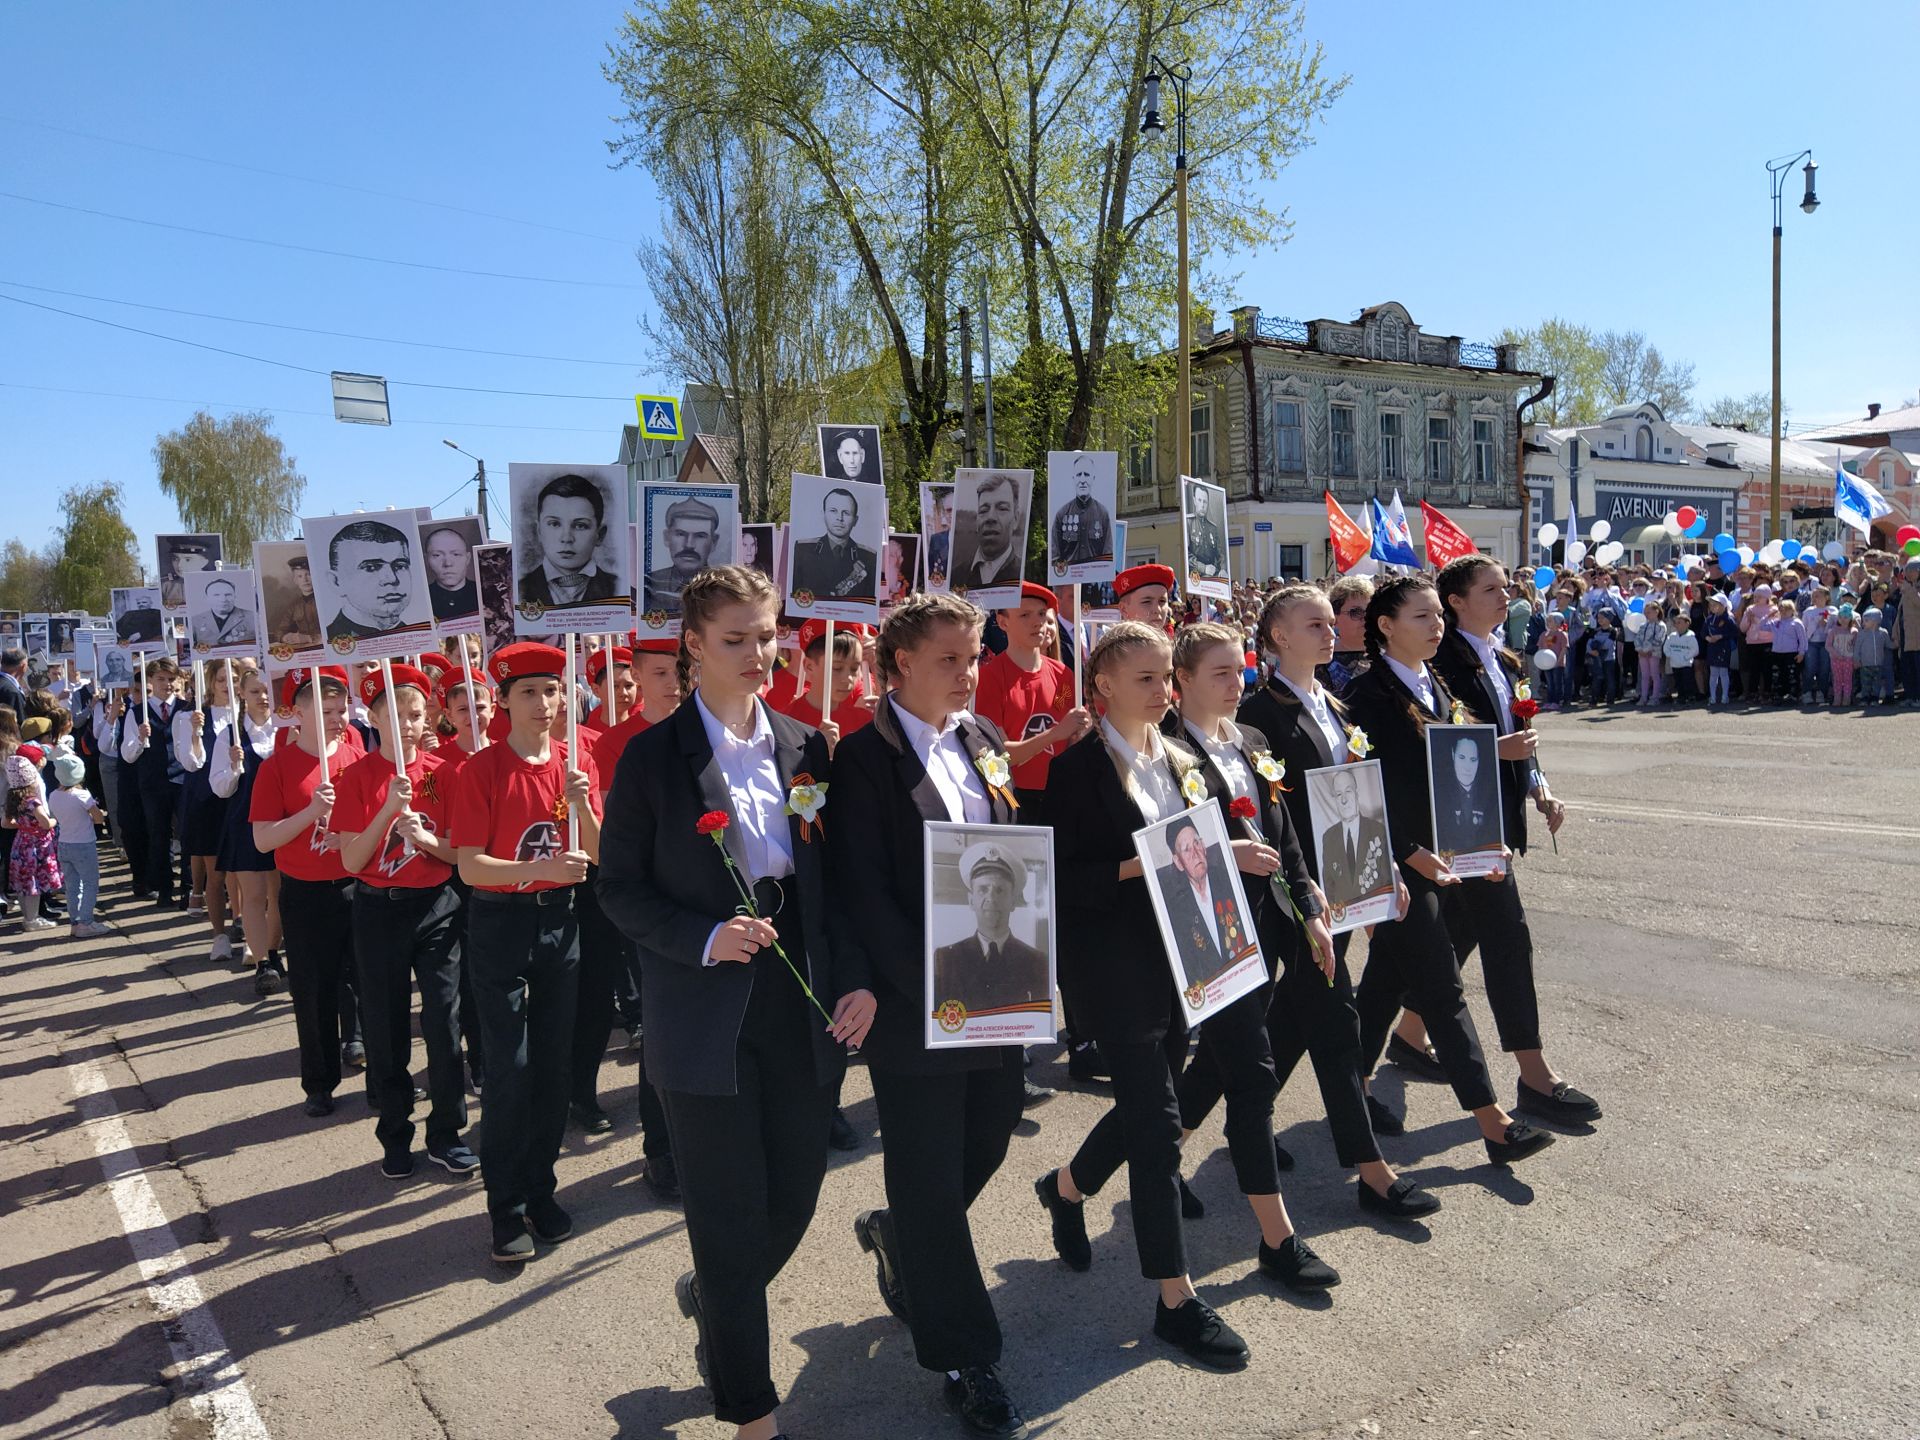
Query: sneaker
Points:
[1294, 1264]
[353, 1055]
[982, 1404]
[547, 1222]
[269, 980]
[397, 1164]
[222, 950]
[455, 1159]
[39, 922]
[511, 1243]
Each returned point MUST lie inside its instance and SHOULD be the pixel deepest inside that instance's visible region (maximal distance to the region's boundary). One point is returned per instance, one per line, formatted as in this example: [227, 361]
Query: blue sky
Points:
[1487, 166]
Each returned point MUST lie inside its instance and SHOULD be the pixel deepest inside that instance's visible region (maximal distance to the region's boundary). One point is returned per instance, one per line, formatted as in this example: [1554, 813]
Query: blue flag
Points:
[1392, 543]
[1857, 503]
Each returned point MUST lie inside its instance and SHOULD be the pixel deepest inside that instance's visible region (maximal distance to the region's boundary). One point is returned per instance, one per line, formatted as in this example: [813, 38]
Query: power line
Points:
[282, 410]
[311, 180]
[315, 249]
[309, 330]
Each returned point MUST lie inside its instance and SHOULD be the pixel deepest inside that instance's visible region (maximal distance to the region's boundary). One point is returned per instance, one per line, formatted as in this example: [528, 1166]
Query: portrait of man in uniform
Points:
[1080, 486]
[219, 614]
[991, 968]
[1348, 809]
[181, 556]
[1206, 531]
[1209, 928]
[829, 562]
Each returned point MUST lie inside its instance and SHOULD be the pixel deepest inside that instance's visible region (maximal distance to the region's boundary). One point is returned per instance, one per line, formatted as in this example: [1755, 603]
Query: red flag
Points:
[1350, 542]
[1446, 541]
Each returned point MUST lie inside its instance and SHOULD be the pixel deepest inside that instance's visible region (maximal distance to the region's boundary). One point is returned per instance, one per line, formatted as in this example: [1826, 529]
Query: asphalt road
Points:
[1727, 960]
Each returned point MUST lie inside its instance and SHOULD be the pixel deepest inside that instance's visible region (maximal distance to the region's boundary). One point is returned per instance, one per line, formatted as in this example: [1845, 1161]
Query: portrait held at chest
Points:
[1355, 853]
[447, 547]
[834, 535]
[990, 509]
[1204, 917]
[222, 621]
[990, 941]
[851, 452]
[180, 556]
[572, 549]
[1463, 775]
[1080, 528]
[289, 611]
[683, 529]
[369, 584]
[1203, 522]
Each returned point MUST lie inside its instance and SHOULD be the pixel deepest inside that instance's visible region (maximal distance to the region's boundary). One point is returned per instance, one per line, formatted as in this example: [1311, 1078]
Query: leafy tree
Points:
[26, 578]
[231, 477]
[1633, 371]
[1752, 412]
[1596, 372]
[96, 550]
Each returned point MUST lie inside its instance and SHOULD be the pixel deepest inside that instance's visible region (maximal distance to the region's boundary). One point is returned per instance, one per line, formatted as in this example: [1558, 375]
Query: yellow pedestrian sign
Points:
[659, 417]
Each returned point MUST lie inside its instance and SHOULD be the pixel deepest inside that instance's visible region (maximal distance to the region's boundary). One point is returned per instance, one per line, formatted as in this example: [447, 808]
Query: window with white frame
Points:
[1140, 462]
[1340, 431]
[1289, 444]
[1439, 449]
[1391, 438]
[1200, 442]
[1483, 470]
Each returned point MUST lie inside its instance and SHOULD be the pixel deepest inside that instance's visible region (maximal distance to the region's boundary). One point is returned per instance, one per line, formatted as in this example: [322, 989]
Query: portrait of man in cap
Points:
[991, 968]
[181, 556]
[689, 533]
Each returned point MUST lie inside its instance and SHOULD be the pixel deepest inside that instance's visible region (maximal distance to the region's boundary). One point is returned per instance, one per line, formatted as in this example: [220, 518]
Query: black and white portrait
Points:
[990, 942]
[115, 666]
[1080, 526]
[88, 643]
[223, 614]
[369, 585]
[10, 625]
[834, 534]
[1203, 528]
[572, 552]
[493, 572]
[1463, 778]
[757, 550]
[850, 452]
[684, 529]
[990, 509]
[899, 567]
[936, 534]
[61, 630]
[34, 640]
[446, 548]
[1351, 844]
[289, 613]
[1205, 921]
[135, 611]
[180, 556]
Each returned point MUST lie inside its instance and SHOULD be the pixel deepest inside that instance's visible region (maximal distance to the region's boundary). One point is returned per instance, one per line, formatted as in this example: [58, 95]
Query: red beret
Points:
[436, 664]
[597, 662]
[453, 680]
[814, 632]
[1128, 581]
[374, 684]
[526, 659]
[657, 647]
[1029, 590]
[31, 753]
[298, 678]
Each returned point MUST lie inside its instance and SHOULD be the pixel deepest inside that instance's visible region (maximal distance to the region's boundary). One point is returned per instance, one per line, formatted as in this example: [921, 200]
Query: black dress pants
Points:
[401, 936]
[607, 961]
[1236, 1058]
[469, 1007]
[943, 1138]
[316, 916]
[1487, 913]
[1411, 962]
[750, 1167]
[1142, 1131]
[526, 965]
[150, 835]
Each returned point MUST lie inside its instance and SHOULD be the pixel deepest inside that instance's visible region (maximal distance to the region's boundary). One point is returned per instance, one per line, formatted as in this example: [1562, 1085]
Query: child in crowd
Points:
[1870, 654]
[1789, 652]
[75, 812]
[1682, 648]
[1603, 663]
[34, 868]
[1840, 654]
[1719, 639]
[1756, 650]
[1649, 648]
[1554, 641]
[1818, 618]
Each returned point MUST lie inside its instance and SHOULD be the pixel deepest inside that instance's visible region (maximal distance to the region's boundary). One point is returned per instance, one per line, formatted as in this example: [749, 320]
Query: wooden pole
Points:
[319, 729]
[573, 743]
[473, 710]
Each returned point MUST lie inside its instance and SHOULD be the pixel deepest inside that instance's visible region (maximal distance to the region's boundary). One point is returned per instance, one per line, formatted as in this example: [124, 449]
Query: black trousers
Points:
[1142, 1130]
[316, 916]
[526, 963]
[1487, 914]
[608, 960]
[944, 1137]
[1411, 962]
[402, 936]
[750, 1166]
[1234, 1059]
[150, 809]
[469, 1007]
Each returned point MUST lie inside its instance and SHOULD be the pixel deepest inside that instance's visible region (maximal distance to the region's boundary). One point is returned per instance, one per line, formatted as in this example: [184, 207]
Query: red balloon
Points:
[1686, 515]
[1252, 659]
[1904, 534]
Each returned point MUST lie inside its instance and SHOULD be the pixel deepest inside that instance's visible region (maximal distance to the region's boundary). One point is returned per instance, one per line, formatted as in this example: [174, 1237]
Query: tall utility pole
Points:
[1776, 181]
[480, 479]
[966, 384]
[986, 366]
[1151, 127]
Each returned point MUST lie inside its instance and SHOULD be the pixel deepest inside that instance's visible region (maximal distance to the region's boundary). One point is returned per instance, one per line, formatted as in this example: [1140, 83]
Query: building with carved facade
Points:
[1286, 410]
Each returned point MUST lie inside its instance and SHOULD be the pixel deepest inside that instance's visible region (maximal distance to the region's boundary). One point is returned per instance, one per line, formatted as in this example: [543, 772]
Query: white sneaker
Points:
[92, 929]
[222, 949]
[246, 957]
[39, 922]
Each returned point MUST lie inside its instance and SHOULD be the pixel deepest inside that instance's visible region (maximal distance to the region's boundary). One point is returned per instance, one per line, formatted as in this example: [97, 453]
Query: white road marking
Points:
[1788, 823]
[212, 1381]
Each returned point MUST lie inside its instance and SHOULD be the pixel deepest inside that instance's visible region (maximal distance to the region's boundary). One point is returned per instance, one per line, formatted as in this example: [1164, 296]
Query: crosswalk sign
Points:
[659, 417]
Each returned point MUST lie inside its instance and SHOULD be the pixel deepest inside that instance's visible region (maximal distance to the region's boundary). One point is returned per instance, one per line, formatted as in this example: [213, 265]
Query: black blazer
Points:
[1276, 713]
[1459, 668]
[1384, 707]
[882, 800]
[1113, 964]
[666, 888]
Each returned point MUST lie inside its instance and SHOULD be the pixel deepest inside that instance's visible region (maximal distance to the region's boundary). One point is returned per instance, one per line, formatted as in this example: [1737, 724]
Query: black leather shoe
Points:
[1203, 1335]
[983, 1405]
[511, 1243]
[870, 1229]
[547, 1222]
[1565, 1106]
[1084, 1065]
[840, 1135]
[1282, 1157]
[1295, 1265]
[686, 1293]
[1069, 1223]
[1036, 1095]
[1520, 1141]
[591, 1119]
[1190, 1206]
[1385, 1122]
[318, 1105]
[663, 1178]
[1421, 1063]
[1404, 1200]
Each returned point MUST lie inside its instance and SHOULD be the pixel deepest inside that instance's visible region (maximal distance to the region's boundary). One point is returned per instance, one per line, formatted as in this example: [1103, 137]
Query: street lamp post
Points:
[480, 479]
[1776, 181]
[1151, 127]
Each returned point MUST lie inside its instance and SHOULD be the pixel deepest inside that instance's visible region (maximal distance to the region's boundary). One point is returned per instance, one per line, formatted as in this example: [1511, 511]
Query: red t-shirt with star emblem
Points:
[359, 794]
[284, 787]
[610, 745]
[513, 809]
[1024, 704]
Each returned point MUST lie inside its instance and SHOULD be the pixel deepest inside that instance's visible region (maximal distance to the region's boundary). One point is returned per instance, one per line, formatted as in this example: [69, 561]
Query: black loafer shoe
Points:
[547, 1222]
[318, 1105]
[1083, 1064]
[870, 1229]
[1520, 1141]
[1295, 1265]
[983, 1405]
[1282, 1157]
[663, 1178]
[397, 1164]
[591, 1119]
[1404, 1200]
[841, 1134]
[1069, 1223]
[1385, 1122]
[686, 1293]
[1565, 1106]
[1203, 1335]
[1422, 1064]
[511, 1243]
[1036, 1095]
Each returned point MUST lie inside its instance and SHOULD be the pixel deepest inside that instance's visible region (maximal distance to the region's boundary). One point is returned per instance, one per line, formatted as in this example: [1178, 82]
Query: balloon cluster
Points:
[1907, 540]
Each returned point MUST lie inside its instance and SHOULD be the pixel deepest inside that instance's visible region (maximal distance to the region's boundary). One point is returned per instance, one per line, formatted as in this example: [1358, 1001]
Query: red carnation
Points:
[1242, 808]
[711, 821]
[1524, 711]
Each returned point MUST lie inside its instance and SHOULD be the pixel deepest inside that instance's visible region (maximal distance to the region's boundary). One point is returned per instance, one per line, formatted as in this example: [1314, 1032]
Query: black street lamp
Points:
[1777, 171]
[480, 478]
[1150, 126]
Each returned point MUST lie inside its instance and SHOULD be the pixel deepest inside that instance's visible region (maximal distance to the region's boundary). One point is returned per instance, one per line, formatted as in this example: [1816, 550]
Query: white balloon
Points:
[1746, 555]
[1671, 522]
[1610, 552]
[1601, 529]
[1834, 550]
[1544, 660]
[1636, 622]
[1549, 533]
[1576, 552]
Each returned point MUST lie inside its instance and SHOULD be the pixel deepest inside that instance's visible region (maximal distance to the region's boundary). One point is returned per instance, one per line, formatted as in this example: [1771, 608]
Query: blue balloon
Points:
[1252, 675]
[1637, 605]
[1723, 541]
[1543, 577]
[1697, 528]
[1790, 549]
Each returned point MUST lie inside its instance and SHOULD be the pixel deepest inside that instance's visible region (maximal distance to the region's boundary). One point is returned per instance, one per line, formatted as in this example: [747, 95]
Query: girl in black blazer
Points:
[1393, 703]
[947, 1115]
[1115, 975]
[745, 1062]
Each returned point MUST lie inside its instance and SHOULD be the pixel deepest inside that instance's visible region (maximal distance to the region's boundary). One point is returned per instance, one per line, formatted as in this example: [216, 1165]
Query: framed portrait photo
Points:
[370, 588]
[1463, 782]
[223, 614]
[135, 612]
[1081, 534]
[899, 567]
[683, 529]
[1205, 921]
[851, 452]
[1203, 539]
[990, 952]
[493, 574]
[289, 610]
[572, 552]
[1351, 844]
[936, 536]
[834, 533]
[61, 630]
[447, 546]
[180, 556]
[758, 549]
[990, 510]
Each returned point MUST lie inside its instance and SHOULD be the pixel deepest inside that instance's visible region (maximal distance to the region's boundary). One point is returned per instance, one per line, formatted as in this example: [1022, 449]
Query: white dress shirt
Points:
[1153, 790]
[1418, 681]
[945, 759]
[132, 747]
[1226, 755]
[1314, 701]
[759, 801]
[220, 771]
[186, 740]
[1496, 673]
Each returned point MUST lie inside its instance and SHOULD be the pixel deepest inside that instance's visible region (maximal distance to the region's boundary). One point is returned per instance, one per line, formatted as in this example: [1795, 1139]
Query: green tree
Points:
[26, 578]
[1598, 371]
[232, 478]
[96, 548]
[1753, 412]
[1633, 371]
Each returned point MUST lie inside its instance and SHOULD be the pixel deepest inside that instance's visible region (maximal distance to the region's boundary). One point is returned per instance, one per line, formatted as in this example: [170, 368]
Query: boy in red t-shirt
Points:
[392, 828]
[512, 811]
[1029, 695]
[850, 710]
[625, 694]
[652, 697]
